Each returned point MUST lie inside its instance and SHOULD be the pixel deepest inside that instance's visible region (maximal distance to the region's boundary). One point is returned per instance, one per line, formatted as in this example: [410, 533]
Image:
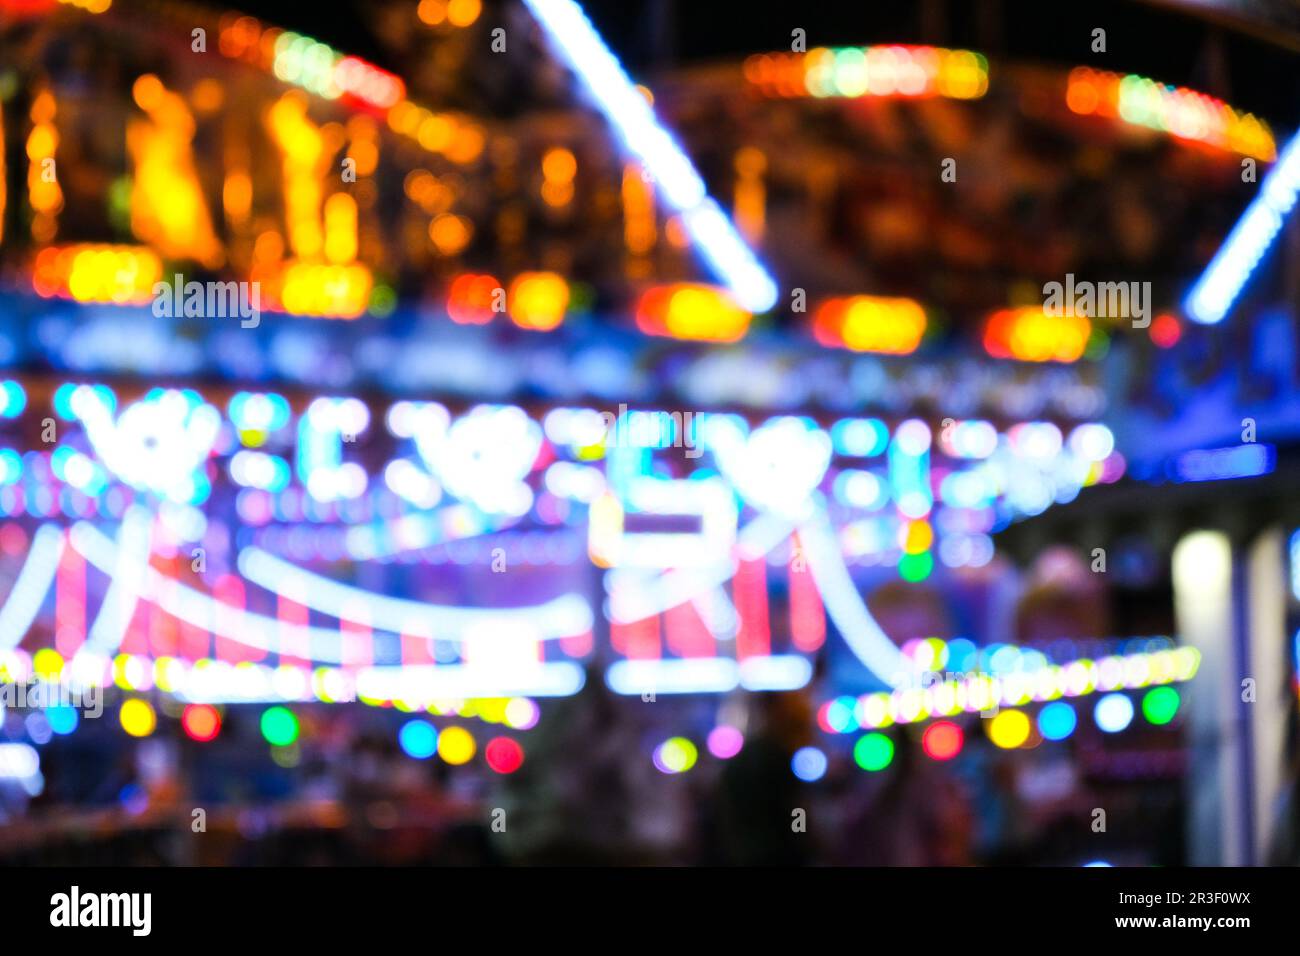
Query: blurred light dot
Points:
[1113, 713]
[1160, 705]
[725, 742]
[522, 713]
[1009, 729]
[201, 722]
[63, 719]
[504, 755]
[1057, 720]
[137, 717]
[418, 739]
[809, 764]
[675, 755]
[874, 752]
[279, 726]
[942, 740]
[456, 746]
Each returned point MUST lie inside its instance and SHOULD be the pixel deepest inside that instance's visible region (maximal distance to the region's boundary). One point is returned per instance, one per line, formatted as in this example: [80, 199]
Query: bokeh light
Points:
[201, 722]
[504, 754]
[873, 751]
[809, 764]
[418, 739]
[137, 717]
[1113, 713]
[279, 726]
[1009, 729]
[942, 740]
[456, 746]
[1057, 720]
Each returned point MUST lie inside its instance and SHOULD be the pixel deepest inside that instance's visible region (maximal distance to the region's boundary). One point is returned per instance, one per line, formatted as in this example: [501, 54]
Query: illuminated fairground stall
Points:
[451, 395]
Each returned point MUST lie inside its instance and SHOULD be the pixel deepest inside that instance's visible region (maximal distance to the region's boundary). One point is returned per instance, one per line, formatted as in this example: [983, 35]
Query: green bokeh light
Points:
[279, 726]
[874, 751]
[1160, 705]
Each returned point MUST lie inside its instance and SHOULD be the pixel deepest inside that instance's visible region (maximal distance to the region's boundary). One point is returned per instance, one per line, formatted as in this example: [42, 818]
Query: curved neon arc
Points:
[563, 616]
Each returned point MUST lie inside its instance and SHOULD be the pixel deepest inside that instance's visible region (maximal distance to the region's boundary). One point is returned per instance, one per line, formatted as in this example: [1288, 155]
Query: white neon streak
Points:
[634, 597]
[627, 111]
[707, 675]
[845, 605]
[201, 610]
[1250, 239]
[718, 613]
[258, 631]
[31, 585]
[127, 576]
[563, 616]
[775, 672]
[455, 681]
[692, 675]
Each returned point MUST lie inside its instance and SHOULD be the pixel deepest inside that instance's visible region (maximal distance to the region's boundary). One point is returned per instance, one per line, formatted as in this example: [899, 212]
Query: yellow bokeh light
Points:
[138, 717]
[461, 13]
[1009, 729]
[456, 745]
[538, 300]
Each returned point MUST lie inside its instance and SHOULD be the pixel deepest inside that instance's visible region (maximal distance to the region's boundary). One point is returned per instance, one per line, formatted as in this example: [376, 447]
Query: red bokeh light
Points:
[201, 722]
[942, 740]
[504, 755]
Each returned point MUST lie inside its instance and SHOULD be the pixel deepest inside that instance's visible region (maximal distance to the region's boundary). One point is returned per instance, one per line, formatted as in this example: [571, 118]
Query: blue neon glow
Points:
[1226, 275]
[1220, 464]
[1057, 720]
[1295, 565]
[63, 719]
[12, 399]
[641, 133]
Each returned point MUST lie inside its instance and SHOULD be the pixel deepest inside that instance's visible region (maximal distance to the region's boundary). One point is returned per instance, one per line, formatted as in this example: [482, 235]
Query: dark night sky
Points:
[1141, 38]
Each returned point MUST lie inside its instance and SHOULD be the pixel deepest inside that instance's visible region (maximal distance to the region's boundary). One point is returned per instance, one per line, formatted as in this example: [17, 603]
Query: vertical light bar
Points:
[632, 118]
[70, 604]
[1267, 654]
[807, 616]
[1206, 615]
[1223, 279]
[754, 638]
[32, 584]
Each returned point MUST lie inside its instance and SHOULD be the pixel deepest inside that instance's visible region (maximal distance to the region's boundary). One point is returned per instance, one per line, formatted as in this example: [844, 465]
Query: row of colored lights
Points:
[280, 727]
[981, 692]
[894, 71]
[1176, 110]
[1013, 729]
[308, 63]
[184, 679]
[942, 740]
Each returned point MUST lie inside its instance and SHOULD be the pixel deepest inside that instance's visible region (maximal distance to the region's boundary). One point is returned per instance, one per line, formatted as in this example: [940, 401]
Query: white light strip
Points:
[633, 118]
[1226, 275]
[31, 585]
[845, 605]
[707, 675]
[775, 672]
[459, 681]
[118, 606]
[986, 693]
[690, 675]
[564, 616]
